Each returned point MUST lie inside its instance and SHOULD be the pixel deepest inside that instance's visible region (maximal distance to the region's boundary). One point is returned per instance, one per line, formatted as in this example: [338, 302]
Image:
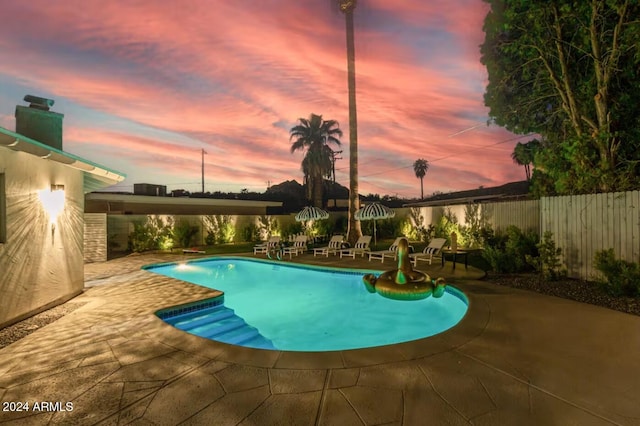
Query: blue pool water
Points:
[296, 308]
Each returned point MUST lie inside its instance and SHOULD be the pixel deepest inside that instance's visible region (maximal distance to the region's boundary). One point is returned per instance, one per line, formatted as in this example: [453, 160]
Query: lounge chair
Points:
[432, 250]
[299, 246]
[335, 245]
[361, 247]
[270, 244]
[391, 253]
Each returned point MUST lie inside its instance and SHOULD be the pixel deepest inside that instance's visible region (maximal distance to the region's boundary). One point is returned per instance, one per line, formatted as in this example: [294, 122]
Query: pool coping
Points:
[470, 326]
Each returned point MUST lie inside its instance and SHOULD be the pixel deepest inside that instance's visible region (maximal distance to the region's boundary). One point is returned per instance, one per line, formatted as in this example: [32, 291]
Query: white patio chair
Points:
[335, 245]
[433, 250]
[361, 247]
[299, 246]
[268, 245]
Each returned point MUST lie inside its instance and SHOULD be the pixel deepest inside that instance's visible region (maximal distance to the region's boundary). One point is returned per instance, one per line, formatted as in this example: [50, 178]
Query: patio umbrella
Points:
[374, 211]
[311, 213]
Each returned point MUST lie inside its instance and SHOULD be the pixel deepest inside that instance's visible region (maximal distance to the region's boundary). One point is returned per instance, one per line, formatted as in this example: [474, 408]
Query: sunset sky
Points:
[146, 84]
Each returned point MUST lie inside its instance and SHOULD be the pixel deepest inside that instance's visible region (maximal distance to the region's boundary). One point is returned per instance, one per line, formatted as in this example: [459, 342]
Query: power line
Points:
[451, 155]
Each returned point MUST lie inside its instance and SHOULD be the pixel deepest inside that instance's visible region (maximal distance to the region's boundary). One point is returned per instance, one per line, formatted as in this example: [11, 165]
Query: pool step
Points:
[192, 316]
[223, 325]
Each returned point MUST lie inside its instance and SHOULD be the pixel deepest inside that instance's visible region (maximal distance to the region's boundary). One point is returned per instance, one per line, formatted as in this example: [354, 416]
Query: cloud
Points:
[146, 85]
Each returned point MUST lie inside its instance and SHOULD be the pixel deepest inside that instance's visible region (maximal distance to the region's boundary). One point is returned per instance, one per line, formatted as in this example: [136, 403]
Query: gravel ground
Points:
[581, 291]
[17, 331]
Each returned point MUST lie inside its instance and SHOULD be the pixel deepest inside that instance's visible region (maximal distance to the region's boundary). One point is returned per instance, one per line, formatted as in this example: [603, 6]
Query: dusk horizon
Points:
[145, 88]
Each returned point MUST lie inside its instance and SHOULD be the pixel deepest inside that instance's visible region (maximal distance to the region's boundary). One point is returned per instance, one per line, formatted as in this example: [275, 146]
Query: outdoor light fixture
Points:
[53, 202]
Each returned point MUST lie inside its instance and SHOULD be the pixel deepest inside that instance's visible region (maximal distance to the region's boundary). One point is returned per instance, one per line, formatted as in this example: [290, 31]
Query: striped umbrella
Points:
[374, 211]
[311, 213]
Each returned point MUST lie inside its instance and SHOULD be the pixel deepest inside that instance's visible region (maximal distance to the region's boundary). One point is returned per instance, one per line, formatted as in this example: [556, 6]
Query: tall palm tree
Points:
[354, 232]
[314, 134]
[420, 168]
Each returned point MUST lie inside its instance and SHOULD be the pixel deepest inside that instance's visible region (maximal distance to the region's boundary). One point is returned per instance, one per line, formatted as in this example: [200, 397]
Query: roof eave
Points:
[95, 175]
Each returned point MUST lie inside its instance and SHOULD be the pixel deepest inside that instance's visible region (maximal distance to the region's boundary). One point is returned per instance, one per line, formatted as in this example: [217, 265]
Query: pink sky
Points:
[146, 85]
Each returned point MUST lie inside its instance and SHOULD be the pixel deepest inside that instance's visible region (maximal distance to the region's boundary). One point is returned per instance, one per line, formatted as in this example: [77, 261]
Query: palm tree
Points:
[314, 134]
[524, 154]
[354, 232]
[420, 168]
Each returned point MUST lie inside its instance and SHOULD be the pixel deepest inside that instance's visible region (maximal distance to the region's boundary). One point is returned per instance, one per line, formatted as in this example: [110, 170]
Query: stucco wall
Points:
[39, 268]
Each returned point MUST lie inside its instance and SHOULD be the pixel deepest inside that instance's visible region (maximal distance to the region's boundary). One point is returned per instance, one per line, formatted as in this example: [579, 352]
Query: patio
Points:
[516, 358]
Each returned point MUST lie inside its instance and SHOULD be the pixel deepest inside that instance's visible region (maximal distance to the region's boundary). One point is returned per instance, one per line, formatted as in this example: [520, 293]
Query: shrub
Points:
[183, 232]
[388, 228]
[498, 259]
[250, 233]
[508, 252]
[153, 234]
[447, 224]
[220, 228]
[520, 245]
[292, 229]
[341, 224]
[321, 227]
[548, 262]
[622, 278]
[414, 228]
[268, 226]
[476, 221]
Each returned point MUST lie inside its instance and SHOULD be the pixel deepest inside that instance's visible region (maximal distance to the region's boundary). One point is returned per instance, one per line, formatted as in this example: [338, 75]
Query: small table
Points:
[455, 254]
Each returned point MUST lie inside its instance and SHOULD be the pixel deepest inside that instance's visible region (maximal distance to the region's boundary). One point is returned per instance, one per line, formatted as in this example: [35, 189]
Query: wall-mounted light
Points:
[52, 200]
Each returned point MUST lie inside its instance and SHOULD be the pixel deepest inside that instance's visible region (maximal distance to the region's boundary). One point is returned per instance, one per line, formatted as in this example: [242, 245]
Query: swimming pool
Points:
[280, 306]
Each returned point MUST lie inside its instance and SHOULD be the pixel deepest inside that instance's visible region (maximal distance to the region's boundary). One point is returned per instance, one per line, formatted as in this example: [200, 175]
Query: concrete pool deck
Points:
[517, 358]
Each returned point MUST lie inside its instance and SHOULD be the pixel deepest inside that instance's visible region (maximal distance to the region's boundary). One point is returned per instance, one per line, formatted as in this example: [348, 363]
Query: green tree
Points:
[354, 231]
[420, 168]
[567, 71]
[313, 135]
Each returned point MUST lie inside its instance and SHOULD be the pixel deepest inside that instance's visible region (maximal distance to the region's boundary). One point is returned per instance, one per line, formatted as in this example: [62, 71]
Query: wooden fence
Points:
[523, 214]
[584, 224]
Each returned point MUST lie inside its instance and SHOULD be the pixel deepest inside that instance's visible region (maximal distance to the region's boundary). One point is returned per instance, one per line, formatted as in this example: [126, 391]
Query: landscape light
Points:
[52, 200]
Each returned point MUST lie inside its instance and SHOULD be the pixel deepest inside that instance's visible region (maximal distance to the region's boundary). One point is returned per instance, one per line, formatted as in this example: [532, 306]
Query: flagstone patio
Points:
[516, 358]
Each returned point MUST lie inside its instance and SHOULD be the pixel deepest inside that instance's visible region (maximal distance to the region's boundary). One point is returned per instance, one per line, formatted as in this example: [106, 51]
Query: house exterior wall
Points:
[40, 267]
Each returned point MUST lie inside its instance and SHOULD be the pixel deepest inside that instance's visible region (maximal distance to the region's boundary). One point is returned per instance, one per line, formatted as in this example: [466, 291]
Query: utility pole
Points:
[203, 153]
[333, 162]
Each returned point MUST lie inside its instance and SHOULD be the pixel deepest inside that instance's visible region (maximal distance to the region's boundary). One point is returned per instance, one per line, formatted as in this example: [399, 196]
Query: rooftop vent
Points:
[38, 102]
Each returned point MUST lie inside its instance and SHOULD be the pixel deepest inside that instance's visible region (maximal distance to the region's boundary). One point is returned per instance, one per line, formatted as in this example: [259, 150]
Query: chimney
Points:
[38, 123]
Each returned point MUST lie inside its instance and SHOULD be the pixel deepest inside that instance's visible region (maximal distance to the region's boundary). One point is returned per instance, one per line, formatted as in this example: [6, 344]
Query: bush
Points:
[498, 259]
[183, 232]
[250, 233]
[447, 224]
[220, 228]
[293, 228]
[622, 277]
[476, 221]
[520, 245]
[341, 225]
[508, 252]
[321, 227]
[414, 229]
[153, 234]
[268, 226]
[548, 262]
